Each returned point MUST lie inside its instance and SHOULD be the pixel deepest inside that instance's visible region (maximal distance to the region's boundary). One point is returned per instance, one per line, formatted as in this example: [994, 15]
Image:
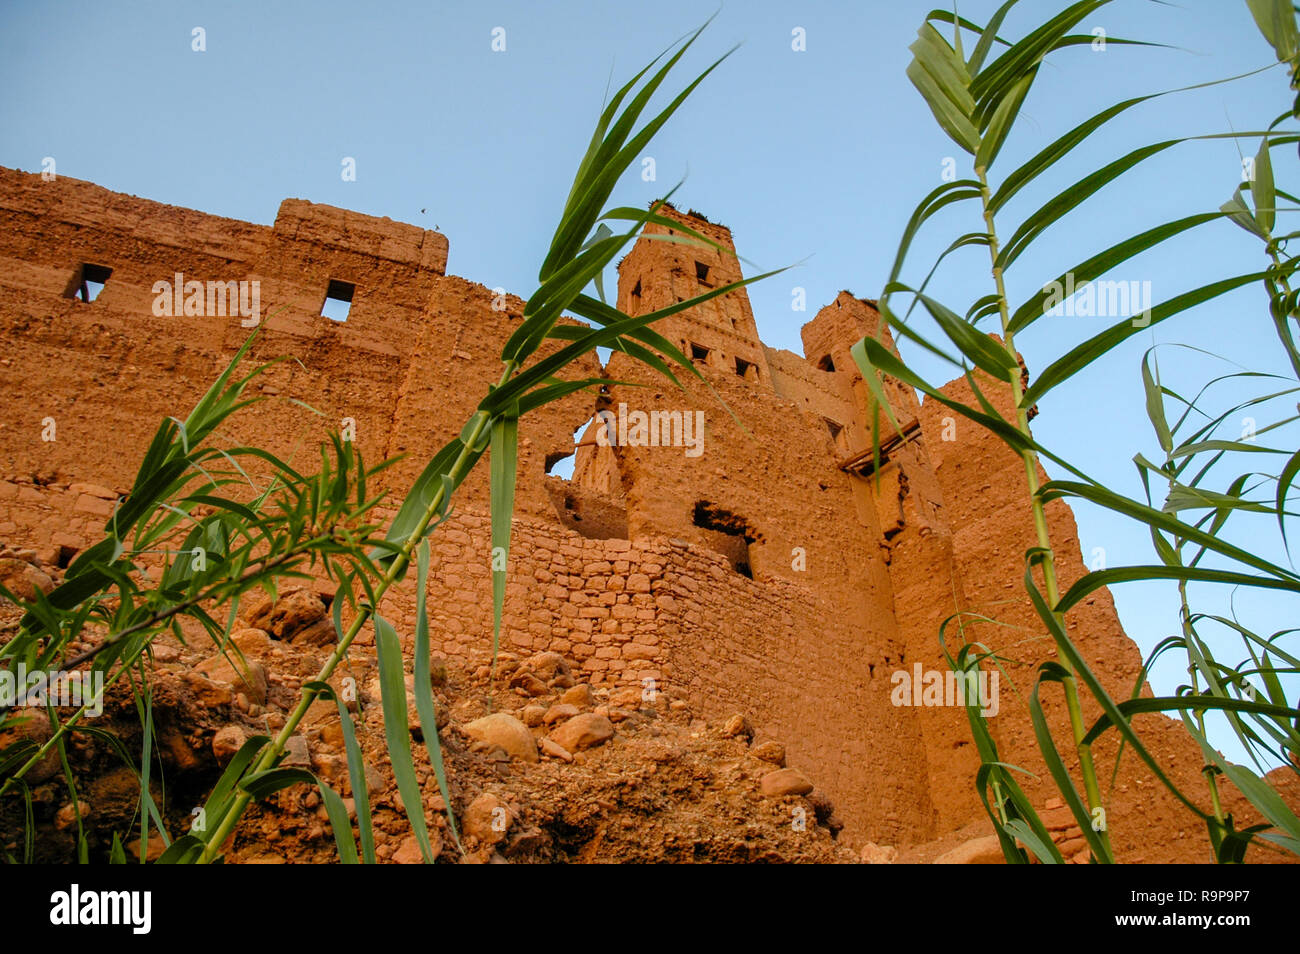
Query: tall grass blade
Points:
[397, 732]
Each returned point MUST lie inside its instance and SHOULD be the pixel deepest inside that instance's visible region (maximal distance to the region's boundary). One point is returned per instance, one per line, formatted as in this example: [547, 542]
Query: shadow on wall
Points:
[728, 534]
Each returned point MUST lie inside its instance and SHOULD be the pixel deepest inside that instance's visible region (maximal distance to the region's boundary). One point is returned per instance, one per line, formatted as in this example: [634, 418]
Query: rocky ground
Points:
[541, 767]
[544, 769]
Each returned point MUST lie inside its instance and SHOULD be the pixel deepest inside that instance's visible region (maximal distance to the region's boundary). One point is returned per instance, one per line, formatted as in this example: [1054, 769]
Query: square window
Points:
[338, 300]
[702, 274]
[746, 369]
[699, 352]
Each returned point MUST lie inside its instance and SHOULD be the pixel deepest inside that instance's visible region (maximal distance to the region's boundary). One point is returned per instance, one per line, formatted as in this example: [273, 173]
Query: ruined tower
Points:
[659, 273]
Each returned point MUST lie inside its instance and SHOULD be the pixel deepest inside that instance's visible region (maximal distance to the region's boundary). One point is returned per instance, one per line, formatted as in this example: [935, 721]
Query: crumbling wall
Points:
[801, 668]
[771, 567]
[55, 520]
[987, 505]
[89, 382]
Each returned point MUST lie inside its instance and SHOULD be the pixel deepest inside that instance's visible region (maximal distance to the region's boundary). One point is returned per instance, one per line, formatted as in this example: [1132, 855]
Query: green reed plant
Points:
[976, 101]
[220, 522]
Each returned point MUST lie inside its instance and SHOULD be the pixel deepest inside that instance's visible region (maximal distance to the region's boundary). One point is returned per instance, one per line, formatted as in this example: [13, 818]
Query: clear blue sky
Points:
[815, 156]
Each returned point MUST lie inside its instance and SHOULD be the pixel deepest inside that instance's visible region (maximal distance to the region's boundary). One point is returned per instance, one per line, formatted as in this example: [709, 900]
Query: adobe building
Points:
[760, 566]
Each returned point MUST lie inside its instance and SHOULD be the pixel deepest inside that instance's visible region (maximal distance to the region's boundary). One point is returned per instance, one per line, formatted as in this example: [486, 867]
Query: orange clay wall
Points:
[760, 566]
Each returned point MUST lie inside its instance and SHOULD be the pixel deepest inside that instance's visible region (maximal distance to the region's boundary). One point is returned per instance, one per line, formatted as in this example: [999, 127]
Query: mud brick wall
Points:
[803, 672]
[776, 573]
[57, 520]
